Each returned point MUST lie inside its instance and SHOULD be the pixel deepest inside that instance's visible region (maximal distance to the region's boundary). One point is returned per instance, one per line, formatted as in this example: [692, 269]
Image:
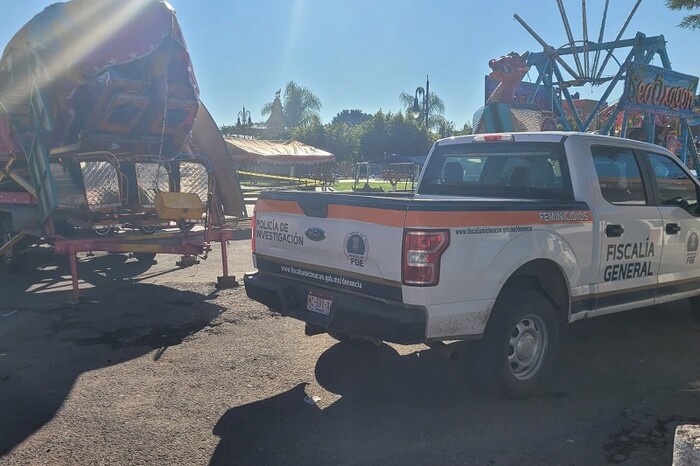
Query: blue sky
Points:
[361, 54]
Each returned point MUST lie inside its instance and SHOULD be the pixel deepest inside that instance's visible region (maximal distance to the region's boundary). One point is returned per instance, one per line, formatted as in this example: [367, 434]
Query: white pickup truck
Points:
[506, 237]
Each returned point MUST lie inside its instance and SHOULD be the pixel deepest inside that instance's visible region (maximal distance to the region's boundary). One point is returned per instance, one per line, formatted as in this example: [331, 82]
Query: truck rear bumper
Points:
[350, 314]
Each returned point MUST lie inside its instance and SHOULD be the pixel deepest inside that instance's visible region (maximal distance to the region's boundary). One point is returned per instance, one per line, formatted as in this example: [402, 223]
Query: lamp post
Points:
[424, 93]
[243, 114]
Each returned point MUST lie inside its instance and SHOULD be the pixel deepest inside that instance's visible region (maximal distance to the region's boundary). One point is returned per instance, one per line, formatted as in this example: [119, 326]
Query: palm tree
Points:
[689, 21]
[436, 108]
[299, 108]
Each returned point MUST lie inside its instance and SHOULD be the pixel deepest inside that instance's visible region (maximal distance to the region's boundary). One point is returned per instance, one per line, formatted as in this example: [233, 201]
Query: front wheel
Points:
[520, 343]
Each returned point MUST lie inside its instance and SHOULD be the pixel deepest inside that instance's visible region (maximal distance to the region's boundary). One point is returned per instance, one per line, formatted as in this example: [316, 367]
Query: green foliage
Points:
[691, 21]
[299, 107]
[387, 134]
[466, 129]
[374, 138]
[351, 117]
[353, 135]
[338, 139]
[381, 135]
[436, 108]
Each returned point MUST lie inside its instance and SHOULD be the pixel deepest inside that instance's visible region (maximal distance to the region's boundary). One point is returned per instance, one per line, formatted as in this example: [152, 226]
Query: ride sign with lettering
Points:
[659, 90]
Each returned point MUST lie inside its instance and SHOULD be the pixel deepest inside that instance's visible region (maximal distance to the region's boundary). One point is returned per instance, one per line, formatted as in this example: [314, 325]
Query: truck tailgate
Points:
[343, 241]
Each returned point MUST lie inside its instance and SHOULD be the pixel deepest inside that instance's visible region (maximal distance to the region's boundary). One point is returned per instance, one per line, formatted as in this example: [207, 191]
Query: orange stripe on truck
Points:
[412, 219]
[281, 207]
[493, 218]
[391, 218]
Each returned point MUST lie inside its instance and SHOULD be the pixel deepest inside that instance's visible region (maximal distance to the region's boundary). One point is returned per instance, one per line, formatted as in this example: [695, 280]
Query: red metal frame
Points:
[17, 197]
[184, 243]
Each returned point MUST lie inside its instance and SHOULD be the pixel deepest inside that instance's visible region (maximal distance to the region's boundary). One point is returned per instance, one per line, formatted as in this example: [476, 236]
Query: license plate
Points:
[318, 304]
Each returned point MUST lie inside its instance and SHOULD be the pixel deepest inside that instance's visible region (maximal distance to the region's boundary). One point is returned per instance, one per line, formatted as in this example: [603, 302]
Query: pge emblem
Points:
[356, 248]
[692, 246]
[692, 242]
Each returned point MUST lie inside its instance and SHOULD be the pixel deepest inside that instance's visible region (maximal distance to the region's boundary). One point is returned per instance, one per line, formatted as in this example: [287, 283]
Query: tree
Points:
[691, 21]
[351, 117]
[406, 137]
[466, 129]
[374, 137]
[299, 108]
[436, 108]
[313, 133]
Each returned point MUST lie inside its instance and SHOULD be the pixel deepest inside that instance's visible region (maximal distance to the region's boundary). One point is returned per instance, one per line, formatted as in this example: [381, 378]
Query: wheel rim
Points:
[103, 230]
[148, 229]
[527, 347]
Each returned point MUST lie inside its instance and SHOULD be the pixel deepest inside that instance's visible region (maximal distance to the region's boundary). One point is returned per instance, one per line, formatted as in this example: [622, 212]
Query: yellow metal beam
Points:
[4, 173]
[15, 239]
[23, 183]
[280, 178]
[8, 173]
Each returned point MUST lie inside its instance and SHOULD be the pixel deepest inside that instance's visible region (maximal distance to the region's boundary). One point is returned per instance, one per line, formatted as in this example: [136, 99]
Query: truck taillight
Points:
[252, 230]
[422, 251]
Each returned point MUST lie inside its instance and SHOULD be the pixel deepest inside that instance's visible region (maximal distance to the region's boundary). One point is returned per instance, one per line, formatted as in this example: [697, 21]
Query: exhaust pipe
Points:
[444, 350]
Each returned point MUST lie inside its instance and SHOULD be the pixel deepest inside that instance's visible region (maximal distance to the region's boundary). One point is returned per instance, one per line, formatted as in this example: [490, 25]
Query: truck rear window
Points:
[498, 170]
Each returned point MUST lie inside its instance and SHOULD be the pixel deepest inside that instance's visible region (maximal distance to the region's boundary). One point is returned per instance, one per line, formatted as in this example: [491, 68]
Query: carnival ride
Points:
[657, 98]
[104, 143]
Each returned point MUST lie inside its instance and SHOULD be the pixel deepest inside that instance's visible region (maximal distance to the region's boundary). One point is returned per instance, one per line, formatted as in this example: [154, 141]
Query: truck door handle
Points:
[613, 231]
[672, 228]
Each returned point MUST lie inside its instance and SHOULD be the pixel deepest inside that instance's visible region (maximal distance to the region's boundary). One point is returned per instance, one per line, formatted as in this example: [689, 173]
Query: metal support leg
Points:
[224, 257]
[75, 295]
[225, 281]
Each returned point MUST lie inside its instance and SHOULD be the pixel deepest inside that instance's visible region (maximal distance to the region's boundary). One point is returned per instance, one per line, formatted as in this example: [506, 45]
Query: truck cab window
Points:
[522, 171]
[619, 177]
[674, 184]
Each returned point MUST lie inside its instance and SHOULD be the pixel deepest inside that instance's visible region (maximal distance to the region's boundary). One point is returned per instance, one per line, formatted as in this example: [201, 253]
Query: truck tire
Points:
[10, 261]
[519, 346]
[357, 342]
[340, 336]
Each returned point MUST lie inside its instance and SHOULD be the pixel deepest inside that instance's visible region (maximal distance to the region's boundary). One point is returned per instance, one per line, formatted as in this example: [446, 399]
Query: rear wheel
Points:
[349, 340]
[340, 336]
[519, 346]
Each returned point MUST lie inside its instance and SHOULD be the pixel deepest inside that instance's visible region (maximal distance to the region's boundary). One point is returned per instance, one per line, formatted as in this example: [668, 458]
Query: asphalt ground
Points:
[156, 366]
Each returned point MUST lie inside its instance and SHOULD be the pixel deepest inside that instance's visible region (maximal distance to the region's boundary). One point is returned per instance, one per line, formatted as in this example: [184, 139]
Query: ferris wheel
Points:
[588, 59]
[596, 60]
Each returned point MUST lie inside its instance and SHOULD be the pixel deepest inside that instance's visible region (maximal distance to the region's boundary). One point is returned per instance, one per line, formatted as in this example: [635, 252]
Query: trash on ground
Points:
[311, 400]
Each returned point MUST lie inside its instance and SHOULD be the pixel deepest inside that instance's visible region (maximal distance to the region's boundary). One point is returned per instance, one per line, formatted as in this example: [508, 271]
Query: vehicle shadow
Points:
[613, 381]
[46, 345]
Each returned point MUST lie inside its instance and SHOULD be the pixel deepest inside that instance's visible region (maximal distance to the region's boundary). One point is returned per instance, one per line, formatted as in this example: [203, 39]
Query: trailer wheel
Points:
[519, 346]
[149, 229]
[102, 230]
[10, 261]
[184, 225]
